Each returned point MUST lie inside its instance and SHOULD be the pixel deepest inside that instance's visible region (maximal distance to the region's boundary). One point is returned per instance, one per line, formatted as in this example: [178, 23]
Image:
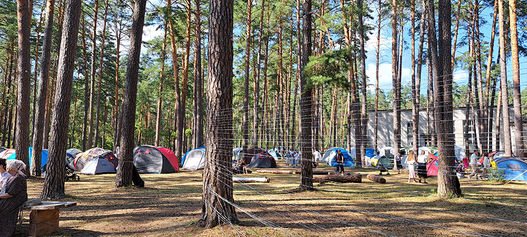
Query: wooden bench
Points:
[44, 217]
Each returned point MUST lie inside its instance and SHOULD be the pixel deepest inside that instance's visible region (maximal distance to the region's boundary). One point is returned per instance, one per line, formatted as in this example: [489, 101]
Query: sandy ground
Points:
[170, 205]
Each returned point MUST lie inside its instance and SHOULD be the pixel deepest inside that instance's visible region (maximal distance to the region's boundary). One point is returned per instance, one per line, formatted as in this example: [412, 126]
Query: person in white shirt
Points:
[486, 164]
[317, 157]
[4, 175]
[421, 166]
[474, 165]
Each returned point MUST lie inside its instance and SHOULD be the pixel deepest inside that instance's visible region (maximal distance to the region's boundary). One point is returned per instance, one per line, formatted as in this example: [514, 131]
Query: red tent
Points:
[432, 166]
[170, 156]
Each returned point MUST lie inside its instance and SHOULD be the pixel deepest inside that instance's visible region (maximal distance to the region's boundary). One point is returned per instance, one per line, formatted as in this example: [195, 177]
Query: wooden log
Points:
[250, 180]
[376, 178]
[323, 172]
[347, 178]
[278, 171]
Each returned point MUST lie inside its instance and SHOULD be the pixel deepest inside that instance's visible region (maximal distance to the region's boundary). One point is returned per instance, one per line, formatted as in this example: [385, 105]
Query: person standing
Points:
[339, 158]
[421, 167]
[486, 164]
[474, 170]
[411, 167]
[317, 157]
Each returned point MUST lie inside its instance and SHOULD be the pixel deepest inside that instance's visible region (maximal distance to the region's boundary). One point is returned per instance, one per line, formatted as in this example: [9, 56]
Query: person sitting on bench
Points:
[14, 197]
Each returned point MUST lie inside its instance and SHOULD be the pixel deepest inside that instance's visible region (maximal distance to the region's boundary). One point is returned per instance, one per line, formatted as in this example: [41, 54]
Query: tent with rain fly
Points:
[2, 148]
[512, 168]
[331, 153]
[236, 153]
[155, 160]
[96, 161]
[370, 152]
[460, 153]
[10, 154]
[385, 151]
[262, 160]
[194, 159]
[274, 154]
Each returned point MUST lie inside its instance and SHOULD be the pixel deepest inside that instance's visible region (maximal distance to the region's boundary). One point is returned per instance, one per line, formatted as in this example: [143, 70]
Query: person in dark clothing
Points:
[339, 158]
[14, 197]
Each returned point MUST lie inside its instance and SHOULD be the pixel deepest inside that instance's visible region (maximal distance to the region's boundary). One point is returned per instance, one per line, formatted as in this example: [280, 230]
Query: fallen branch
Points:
[250, 180]
[277, 171]
[347, 178]
[376, 178]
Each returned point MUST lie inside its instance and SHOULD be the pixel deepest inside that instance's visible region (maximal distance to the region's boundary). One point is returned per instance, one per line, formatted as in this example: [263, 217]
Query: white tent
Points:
[98, 165]
[195, 159]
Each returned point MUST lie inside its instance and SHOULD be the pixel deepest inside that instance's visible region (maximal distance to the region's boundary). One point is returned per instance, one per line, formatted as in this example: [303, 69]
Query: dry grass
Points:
[170, 205]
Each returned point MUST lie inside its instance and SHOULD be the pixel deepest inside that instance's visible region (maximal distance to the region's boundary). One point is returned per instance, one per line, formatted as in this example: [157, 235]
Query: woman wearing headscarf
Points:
[15, 195]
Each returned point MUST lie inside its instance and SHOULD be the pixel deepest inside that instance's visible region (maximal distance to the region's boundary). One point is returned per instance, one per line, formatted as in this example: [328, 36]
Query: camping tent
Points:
[2, 148]
[236, 153]
[385, 151]
[70, 157]
[155, 160]
[369, 152]
[386, 161]
[329, 157]
[513, 169]
[248, 154]
[432, 168]
[262, 160]
[10, 154]
[194, 159]
[96, 161]
[274, 154]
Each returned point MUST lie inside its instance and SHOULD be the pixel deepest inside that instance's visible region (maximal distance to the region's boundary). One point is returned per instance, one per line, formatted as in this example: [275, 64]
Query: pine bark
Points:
[125, 167]
[217, 202]
[86, 85]
[99, 82]
[377, 64]
[516, 93]
[24, 80]
[305, 102]
[55, 175]
[245, 122]
[43, 90]
[159, 112]
[364, 113]
[447, 182]
[503, 78]
[198, 82]
[184, 82]
[396, 85]
[92, 74]
[175, 69]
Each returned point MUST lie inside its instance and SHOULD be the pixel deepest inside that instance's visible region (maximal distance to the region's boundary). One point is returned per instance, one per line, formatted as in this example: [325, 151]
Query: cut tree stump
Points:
[250, 180]
[278, 171]
[376, 178]
[347, 178]
[322, 172]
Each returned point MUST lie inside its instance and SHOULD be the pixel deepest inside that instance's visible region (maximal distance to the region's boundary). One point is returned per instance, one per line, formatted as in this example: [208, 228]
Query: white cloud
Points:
[385, 75]
[460, 77]
[150, 32]
[371, 44]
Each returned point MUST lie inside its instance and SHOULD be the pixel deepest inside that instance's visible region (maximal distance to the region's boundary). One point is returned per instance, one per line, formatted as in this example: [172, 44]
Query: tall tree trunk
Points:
[8, 91]
[306, 100]
[116, 115]
[86, 86]
[447, 181]
[159, 112]
[175, 69]
[417, 98]
[415, 90]
[43, 90]
[198, 82]
[396, 85]
[182, 107]
[245, 122]
[92, 74]
[483, 105]
[364, 113]
[256, 104]
[218, 203]
[504, 91]
[377, 56]
[37, 44]
[516, 93]
[54, 181]
[24, 80]
[456, 30]
[99, 82]
[125, 167]
[488, 80]
[432, 44]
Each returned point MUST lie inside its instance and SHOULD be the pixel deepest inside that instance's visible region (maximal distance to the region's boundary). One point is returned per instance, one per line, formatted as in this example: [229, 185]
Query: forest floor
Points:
[170, 205]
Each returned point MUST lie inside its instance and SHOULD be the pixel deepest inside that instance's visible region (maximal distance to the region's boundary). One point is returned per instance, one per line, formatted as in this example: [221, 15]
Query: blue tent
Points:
[370, 152]
[329, 157]
[44, 159]
[513, 169]
[185, 156]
